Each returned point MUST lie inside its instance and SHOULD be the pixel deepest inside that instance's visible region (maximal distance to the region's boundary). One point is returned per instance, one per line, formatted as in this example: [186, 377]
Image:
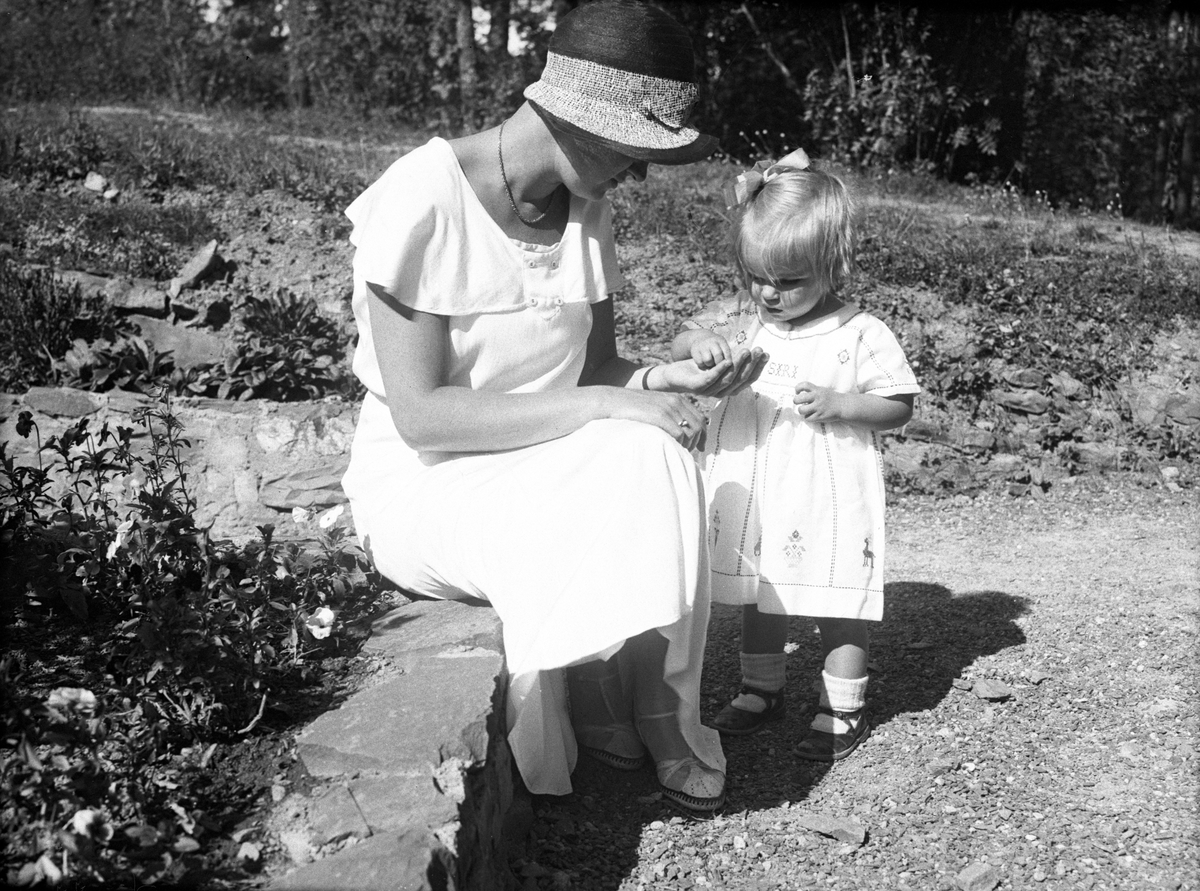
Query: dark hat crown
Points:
[632, 36]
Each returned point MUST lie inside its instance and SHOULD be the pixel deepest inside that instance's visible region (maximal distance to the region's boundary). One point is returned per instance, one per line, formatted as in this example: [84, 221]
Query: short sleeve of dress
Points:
[882, 368]
[390, 239]
[730, 317]
[597, 232]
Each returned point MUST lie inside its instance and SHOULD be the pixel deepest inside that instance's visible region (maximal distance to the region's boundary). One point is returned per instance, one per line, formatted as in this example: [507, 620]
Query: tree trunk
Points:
[849, 58]
[497, 39]
[297, 81]
[1187, 171]
[1158, 182]
[467, 75]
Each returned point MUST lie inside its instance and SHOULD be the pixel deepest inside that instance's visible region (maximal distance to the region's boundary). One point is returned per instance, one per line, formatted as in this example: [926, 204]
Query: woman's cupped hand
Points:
[724, 378]
[670, 404]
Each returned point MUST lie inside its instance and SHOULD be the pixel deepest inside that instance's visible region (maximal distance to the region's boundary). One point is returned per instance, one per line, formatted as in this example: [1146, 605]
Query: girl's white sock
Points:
[843, 694]
[840, 695]
[763, 671]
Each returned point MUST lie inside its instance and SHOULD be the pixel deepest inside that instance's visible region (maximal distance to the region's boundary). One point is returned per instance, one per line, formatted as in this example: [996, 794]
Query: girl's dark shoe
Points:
[734, 721]
[834, 735]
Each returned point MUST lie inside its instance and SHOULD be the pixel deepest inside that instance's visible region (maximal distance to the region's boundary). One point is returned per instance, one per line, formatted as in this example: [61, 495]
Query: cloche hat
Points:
[622, 73]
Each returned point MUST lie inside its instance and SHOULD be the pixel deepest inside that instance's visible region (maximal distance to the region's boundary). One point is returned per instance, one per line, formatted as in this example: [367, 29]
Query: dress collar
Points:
[825, 324]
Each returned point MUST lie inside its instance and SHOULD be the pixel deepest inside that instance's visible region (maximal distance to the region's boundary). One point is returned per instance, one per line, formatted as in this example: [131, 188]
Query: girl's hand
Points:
[819, 404]
[723, 379]
[710, 351]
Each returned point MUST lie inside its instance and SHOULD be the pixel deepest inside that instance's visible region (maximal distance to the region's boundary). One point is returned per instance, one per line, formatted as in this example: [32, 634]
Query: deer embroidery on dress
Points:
[868, 554]
[715, 525]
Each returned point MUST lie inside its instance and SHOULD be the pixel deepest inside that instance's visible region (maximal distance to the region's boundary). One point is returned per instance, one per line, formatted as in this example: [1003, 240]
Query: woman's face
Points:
[594, 169]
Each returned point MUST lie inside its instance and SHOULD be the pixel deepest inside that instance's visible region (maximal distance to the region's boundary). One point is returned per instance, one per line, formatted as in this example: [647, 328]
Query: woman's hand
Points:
[725, 378]
[674, 413]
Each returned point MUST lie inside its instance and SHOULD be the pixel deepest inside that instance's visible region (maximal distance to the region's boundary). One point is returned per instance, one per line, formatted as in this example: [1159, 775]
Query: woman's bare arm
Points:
[412, 348]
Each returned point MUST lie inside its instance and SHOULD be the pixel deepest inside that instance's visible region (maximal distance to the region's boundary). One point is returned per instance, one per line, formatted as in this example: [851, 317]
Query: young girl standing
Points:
[792, 466]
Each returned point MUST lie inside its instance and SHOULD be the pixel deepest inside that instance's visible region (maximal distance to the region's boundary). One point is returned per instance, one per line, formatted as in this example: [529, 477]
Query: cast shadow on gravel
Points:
[928, 636]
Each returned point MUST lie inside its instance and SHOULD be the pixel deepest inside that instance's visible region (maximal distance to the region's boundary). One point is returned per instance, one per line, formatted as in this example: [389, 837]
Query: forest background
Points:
[1089, 107]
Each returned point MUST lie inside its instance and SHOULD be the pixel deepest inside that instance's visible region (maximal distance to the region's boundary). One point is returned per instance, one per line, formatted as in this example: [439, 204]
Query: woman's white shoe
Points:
[689, 784]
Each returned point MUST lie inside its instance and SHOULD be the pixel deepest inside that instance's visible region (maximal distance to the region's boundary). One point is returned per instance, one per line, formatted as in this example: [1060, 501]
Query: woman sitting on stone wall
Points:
[504, 451]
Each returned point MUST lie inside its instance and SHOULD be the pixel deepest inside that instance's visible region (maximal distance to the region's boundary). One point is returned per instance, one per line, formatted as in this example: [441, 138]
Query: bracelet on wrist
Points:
[646, 377]
[637, 380]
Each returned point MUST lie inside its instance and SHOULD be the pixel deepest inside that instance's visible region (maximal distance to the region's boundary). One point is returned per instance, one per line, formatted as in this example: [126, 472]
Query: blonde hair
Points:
[797, 219]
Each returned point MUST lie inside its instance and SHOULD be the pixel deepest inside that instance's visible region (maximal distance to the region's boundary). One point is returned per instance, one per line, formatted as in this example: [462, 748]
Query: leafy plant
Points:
[129, 363]
[39, 317]
[194, 637]
[45, 154]
[286, 350]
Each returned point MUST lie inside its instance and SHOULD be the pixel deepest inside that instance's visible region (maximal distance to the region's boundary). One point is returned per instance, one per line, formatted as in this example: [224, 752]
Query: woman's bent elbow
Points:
[416, 432]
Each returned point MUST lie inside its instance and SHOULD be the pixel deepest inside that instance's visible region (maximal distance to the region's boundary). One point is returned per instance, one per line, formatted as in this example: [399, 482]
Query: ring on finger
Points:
[684, 423]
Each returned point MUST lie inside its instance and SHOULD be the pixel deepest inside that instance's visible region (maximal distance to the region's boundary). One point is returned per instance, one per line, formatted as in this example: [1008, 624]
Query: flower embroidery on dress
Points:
[793, 551]
[741, 337]
[844, 357]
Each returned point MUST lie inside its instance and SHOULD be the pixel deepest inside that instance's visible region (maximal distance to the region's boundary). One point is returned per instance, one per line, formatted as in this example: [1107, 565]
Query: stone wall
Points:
[249, 463]
[415, 784]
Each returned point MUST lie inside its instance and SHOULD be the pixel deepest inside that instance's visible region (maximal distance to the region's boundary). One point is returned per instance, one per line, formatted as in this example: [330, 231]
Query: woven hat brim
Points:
[687, 145]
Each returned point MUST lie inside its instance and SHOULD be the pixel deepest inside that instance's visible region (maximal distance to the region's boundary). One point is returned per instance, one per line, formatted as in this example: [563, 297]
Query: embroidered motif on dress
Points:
[793, 551]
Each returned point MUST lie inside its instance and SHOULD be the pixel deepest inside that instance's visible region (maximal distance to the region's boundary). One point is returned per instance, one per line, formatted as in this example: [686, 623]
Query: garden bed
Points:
[1052, 348]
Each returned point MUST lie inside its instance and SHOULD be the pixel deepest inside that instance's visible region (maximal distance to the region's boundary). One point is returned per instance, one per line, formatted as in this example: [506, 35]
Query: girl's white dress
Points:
[579, 543]
[795, 510]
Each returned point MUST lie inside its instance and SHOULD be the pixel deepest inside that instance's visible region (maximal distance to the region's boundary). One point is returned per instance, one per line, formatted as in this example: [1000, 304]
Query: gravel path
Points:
[1080, 773]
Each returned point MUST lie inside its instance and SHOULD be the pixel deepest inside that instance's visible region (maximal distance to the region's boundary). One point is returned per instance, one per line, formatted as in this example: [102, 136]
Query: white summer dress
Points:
[796, 508]
[578, 543]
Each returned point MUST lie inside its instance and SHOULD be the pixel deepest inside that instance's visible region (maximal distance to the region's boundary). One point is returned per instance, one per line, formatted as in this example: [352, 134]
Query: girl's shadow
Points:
[928, 636]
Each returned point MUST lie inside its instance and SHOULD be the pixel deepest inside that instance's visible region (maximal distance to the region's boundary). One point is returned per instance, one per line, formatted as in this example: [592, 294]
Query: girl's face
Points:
[794, 295]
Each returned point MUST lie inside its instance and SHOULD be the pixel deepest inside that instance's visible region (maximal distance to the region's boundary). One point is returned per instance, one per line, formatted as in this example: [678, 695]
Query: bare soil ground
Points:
[1084, 604]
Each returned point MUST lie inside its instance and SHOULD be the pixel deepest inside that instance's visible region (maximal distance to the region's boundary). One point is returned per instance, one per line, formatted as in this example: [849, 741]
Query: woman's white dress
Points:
[580, 542]
[795, 516]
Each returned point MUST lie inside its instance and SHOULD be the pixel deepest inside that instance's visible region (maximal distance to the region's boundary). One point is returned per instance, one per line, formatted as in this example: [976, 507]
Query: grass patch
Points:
[39, 146]
[78, 230]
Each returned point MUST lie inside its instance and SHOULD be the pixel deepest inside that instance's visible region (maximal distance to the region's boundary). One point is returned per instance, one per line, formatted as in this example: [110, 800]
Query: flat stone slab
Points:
[188, 347]
[61, 402]
[407, 726]
[403, 861]
[435, 624]
[314, 487]
[335, 816]
[395, 803]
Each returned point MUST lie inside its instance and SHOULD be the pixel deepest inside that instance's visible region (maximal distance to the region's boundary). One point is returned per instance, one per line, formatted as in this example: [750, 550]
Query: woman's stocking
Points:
[602, 708]
[656, 714]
